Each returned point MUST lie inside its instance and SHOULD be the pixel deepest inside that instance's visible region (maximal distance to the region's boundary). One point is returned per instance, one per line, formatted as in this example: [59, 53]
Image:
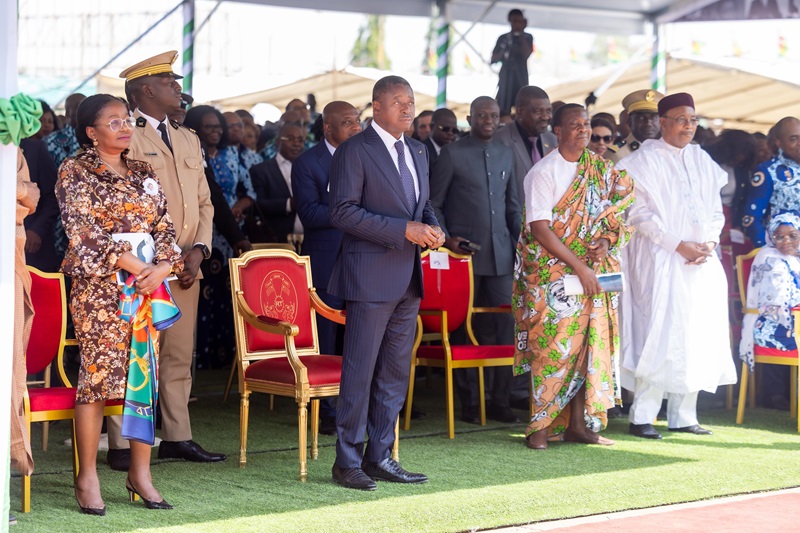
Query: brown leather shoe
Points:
[537, 440]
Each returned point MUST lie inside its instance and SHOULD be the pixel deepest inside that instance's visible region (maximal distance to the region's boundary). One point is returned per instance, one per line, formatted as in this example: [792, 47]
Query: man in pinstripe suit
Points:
[379, 199]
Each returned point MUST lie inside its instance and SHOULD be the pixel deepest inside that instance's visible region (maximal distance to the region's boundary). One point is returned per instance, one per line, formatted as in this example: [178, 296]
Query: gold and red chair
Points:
[277, 351]
[447, 305]
[762, 355]
[47, 342]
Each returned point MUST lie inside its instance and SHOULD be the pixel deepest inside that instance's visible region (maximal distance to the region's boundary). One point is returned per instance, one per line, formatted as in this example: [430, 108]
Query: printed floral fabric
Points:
[566, 341]
[235, 181]
[95, 203]
[775, 186]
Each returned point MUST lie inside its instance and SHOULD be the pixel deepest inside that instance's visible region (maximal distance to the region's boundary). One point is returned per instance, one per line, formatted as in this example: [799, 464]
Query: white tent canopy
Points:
[609, 16]
[741, 99]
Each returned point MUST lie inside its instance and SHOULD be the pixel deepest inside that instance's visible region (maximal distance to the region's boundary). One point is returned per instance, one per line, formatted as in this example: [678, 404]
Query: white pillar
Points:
[8, 200]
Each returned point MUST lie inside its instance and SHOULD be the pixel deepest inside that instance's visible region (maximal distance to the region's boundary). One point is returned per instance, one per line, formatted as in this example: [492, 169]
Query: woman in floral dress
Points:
[100, 193]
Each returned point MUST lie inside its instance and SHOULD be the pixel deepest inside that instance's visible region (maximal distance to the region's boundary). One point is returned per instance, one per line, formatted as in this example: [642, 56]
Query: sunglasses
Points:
[605, 138]
[446, 129]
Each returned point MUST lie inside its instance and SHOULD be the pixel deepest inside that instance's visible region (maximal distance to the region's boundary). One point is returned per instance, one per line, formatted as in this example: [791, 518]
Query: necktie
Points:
[164, 137]
[406, 177]
[535, 156]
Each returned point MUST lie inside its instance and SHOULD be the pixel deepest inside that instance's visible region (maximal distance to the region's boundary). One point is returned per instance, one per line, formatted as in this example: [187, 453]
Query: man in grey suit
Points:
[379, 199]
[528, 136]
[474, 196]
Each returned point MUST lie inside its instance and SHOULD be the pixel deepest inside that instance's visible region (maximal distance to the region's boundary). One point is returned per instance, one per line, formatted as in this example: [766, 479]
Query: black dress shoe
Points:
[353, 478]
[502, 414]
[470, 415]
[416, 414]
[327, 425]
[119, 460]
[390, 470]
[694, 429]
[189, 450]
[645, 431]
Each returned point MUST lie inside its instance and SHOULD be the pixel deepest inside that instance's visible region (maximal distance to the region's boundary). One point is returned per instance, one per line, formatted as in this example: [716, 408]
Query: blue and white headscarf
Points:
[781, 218]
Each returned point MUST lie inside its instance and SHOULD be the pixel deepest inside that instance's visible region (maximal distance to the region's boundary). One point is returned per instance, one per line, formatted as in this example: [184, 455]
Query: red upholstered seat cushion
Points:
[466, 352]
[57, 399]
[52, 399]
[774, 352]
[322, 370]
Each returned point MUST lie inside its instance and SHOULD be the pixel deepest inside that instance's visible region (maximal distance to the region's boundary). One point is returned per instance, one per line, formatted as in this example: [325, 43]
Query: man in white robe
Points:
[675, 320]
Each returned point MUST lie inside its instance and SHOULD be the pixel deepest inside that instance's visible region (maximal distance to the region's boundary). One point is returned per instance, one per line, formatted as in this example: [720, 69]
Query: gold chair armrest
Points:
[264, 323]
[431, 312]
[492, 309]
[334, 315]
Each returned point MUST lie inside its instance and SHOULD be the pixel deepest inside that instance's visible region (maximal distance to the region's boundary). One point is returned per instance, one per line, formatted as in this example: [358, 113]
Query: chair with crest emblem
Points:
[277, 351]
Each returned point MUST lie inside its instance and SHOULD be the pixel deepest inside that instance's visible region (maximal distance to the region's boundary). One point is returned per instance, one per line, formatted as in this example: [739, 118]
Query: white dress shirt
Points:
[389, 140]
[286, 171]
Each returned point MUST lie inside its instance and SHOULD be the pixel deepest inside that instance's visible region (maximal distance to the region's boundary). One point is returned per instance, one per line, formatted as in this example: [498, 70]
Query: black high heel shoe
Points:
[95, 511]
[133, 494]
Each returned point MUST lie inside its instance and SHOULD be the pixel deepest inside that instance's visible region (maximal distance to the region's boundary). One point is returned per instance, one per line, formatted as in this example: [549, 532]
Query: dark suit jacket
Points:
[43, 220]
[510, 136]
[224, 220]
[321, 241]
[271, 196]
[432, 155]
[474, 195]
[376, 262]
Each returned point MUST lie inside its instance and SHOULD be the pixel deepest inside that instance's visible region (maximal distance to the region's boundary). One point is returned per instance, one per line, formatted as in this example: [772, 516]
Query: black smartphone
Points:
[469, 246]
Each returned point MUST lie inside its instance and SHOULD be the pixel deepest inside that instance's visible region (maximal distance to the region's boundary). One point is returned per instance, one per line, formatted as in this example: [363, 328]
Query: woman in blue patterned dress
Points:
[215, 343]
[774, 289]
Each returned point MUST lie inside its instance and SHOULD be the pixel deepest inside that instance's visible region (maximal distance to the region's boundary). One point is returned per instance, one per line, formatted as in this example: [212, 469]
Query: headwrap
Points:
[784, 217]
[674, 100]
[19, 118]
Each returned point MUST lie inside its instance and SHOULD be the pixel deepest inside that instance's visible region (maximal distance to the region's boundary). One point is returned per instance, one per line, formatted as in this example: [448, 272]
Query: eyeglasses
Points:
[116, 124]
[446, 129]
[683, 121]
[292, 138]
[597, 138]
[792, 237]
[212, 127]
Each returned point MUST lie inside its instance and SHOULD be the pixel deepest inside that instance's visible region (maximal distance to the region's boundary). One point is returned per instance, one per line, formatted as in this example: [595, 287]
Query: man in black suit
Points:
[272, 183]
[444, 130]
[379, 199]
[40, 248]
[310, 184]
[474, 195]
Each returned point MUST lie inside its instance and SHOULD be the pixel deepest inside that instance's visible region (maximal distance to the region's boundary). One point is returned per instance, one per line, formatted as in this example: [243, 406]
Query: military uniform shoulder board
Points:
[175, 124]
[620, 143]
[141, 122]
[184, 126]
[635, 145]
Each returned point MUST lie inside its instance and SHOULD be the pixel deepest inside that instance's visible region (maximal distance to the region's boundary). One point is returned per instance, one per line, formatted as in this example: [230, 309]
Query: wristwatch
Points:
[204, 249]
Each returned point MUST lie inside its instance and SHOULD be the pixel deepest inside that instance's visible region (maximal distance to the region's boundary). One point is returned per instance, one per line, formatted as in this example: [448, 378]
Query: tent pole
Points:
[442, 38]
[8, 199]
[658, 65]
[188, 45]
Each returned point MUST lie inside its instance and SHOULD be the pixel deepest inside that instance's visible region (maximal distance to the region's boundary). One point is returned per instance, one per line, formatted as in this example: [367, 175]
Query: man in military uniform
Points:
[175, 154]
[642, 109]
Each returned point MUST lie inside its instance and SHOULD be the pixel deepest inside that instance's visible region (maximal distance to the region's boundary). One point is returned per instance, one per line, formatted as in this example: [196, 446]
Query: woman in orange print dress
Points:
[100, 193]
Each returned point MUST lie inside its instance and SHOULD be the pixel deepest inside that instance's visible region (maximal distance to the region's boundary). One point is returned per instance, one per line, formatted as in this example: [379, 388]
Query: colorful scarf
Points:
[557, 336]
[148, 314]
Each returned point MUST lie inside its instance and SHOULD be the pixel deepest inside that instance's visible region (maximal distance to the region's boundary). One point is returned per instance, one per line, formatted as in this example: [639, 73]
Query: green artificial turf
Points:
[485, 478]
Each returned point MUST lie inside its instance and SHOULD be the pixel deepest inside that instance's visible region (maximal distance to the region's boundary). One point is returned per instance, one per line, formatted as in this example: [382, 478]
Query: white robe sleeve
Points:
[649, 224]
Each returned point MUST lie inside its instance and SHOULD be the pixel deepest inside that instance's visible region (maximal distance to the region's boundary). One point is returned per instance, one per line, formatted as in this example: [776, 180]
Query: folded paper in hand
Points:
[612, 282]
[142, 246]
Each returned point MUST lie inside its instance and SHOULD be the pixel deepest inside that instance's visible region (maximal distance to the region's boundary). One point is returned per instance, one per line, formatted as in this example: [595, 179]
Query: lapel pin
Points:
[420, 152]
